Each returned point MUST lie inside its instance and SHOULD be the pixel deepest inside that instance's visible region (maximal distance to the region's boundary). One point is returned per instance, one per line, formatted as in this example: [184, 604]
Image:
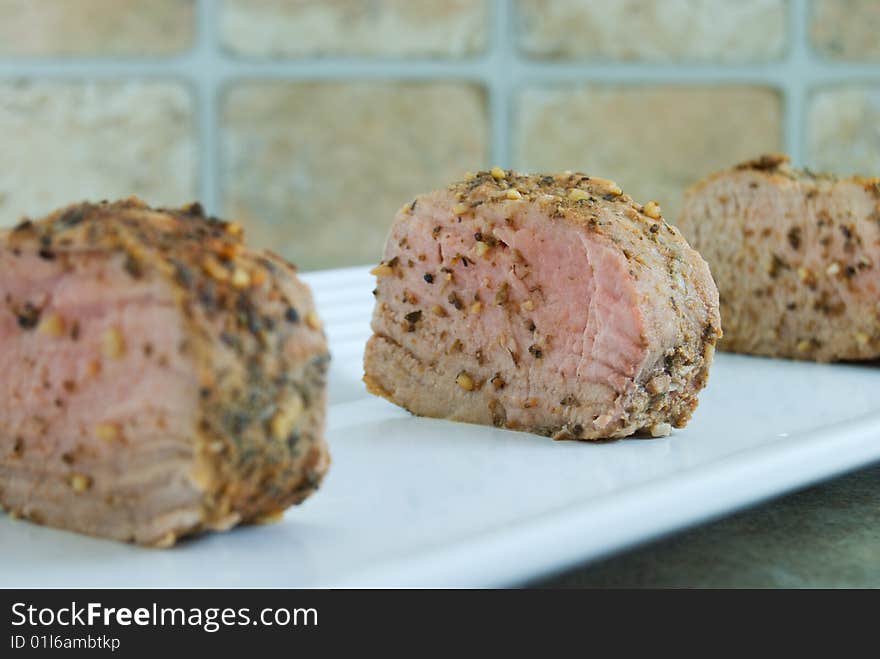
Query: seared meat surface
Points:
[157, 377]
[549, 304]
[795, 255]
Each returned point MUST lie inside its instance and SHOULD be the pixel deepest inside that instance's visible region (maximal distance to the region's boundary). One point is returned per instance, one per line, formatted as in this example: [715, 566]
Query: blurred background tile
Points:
[844, 130]
[445, 28]
[70, 141]
[847, 29]
[654, 30]
[317, 170]
[653, 140]
[93, 28]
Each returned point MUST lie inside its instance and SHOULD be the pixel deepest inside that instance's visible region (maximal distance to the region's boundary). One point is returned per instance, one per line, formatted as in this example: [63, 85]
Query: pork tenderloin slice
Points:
[158, 378]
[549, 304]
[795, 255]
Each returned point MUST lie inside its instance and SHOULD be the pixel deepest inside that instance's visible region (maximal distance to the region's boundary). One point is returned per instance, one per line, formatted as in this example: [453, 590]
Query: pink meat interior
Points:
[75, 400]
[569, 322]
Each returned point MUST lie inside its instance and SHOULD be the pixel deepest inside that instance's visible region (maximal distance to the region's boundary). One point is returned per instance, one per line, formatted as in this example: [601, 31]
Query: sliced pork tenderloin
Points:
[548, 304]
[157, 378]
[795, 255]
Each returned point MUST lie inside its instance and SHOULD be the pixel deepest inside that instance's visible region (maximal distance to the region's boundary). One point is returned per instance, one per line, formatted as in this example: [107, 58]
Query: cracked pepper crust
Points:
[795, 255]
[428, 353]
[251, 335]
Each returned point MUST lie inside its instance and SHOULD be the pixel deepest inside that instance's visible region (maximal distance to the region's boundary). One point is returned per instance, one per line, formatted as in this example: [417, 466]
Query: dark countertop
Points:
[826, 536]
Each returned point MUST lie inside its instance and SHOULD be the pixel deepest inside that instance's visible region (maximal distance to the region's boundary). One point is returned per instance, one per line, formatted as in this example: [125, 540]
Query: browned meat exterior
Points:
[548, 304]
[158, 378]
[795, 257]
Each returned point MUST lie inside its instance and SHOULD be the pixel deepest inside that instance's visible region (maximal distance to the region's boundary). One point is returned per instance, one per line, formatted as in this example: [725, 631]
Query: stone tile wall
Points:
[311, 121]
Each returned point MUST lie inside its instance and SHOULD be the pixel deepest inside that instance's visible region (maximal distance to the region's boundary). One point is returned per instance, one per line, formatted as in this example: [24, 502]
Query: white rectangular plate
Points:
[422, 502]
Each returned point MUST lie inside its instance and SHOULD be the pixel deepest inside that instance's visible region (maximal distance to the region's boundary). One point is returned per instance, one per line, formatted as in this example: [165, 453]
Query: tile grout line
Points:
[205, 78]
[800, 66]
[523, 70]
[498, 85]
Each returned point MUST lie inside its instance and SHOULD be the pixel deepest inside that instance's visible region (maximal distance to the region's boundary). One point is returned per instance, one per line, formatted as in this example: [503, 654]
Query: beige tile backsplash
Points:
[847, 29]
[312, 121]
[96, 28]
[844, 129]
[652, 140]
[72, 140]
[316, 170]
[383, 28]
[654, 30]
